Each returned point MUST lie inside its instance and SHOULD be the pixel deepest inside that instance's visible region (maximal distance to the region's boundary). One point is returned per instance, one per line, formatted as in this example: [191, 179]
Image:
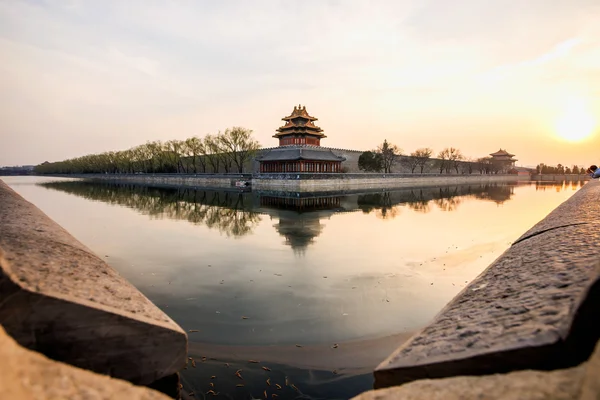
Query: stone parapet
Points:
[580, 382]
[535, 307]
[60, 299]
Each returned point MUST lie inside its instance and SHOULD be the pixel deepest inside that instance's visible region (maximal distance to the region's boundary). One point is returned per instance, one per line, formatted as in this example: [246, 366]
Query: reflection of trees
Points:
[381, 203]
[447, 198]
[228, 212]
[558, 185]
[418, 202]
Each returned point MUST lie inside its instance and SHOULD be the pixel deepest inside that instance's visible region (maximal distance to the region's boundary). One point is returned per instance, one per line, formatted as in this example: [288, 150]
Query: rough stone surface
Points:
[590, 389]
[521, 385]
[58, 298]
[533, 308]
[25, 374]
[581, 382]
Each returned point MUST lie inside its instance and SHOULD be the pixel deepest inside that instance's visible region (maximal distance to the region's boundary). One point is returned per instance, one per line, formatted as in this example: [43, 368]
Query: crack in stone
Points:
[549, 229]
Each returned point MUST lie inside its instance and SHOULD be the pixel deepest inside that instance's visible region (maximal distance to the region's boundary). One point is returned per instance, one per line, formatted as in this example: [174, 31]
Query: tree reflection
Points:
[228, 212]
[386, 204]
[559, 185]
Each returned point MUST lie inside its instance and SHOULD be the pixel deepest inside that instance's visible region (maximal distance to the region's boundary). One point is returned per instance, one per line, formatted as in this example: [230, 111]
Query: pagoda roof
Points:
[299, 112]
[501, 153]
[294, 153]
[299, 130]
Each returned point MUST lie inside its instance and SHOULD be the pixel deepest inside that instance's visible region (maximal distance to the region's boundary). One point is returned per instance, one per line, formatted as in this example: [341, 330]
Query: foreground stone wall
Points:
[60, 299]
[25, 374]
[578, 383]
[535, 308]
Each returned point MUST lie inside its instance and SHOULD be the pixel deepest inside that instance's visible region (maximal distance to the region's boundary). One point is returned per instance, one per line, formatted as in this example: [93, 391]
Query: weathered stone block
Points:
[58, 298]
[25, 374]
[581, 382]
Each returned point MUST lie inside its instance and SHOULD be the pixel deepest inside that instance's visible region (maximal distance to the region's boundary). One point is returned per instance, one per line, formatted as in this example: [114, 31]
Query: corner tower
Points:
[299, 129]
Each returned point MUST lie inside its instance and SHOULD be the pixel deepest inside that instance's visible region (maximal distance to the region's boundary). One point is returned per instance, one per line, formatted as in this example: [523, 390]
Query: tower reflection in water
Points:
[300, 218]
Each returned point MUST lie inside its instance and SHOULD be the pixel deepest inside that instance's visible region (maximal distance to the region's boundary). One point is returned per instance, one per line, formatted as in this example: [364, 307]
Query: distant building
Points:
[299, 148]
[503, 161]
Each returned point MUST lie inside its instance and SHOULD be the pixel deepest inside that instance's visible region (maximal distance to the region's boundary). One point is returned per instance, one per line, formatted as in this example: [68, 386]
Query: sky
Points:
[81, 77]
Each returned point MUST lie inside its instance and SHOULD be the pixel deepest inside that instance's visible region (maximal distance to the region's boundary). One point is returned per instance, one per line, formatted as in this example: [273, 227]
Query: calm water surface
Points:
[319, 290]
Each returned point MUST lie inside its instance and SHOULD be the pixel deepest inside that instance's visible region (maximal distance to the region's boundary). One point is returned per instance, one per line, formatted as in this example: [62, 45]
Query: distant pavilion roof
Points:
[293, 153]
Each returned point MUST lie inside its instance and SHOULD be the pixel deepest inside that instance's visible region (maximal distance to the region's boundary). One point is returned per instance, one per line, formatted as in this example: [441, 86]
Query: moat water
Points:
[318, 290]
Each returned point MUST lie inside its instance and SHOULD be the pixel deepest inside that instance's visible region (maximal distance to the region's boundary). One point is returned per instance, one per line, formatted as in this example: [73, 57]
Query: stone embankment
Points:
[559, 177]
[303, 182]
[216, 181]
[58, 298]
[315, 182]
[535, 309]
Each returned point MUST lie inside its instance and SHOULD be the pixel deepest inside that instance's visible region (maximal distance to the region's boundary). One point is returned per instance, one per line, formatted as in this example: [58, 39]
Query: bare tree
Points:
[466, 167]
[389, 153]
[455, 158]
[410, 162]
[195, 148]
[449, 158]
[422, 156]
[239, 145]
[443, 160]
[212, 152]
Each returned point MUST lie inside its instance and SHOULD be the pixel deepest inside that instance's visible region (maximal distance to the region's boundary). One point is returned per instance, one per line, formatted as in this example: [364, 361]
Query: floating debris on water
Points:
[193, 330]
[266, 368]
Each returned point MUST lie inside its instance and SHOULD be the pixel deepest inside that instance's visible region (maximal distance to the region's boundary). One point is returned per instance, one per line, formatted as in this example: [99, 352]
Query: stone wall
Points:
[192, 180]
[559, 177]
[319, 182]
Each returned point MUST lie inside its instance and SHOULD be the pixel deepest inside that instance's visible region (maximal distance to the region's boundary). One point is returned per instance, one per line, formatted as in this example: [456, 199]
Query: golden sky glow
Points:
[576, 122]
[80, 77]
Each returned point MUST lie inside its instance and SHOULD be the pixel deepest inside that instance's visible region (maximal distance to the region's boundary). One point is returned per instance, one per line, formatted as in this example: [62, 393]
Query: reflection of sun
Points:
[576, 122]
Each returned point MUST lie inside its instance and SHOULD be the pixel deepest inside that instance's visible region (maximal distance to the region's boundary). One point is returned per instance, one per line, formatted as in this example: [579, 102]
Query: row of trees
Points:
[559, 169]
[449, 159]
[229, 151]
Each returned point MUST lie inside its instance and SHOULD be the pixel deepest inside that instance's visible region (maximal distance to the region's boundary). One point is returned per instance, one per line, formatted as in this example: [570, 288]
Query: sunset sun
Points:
[576, 122]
